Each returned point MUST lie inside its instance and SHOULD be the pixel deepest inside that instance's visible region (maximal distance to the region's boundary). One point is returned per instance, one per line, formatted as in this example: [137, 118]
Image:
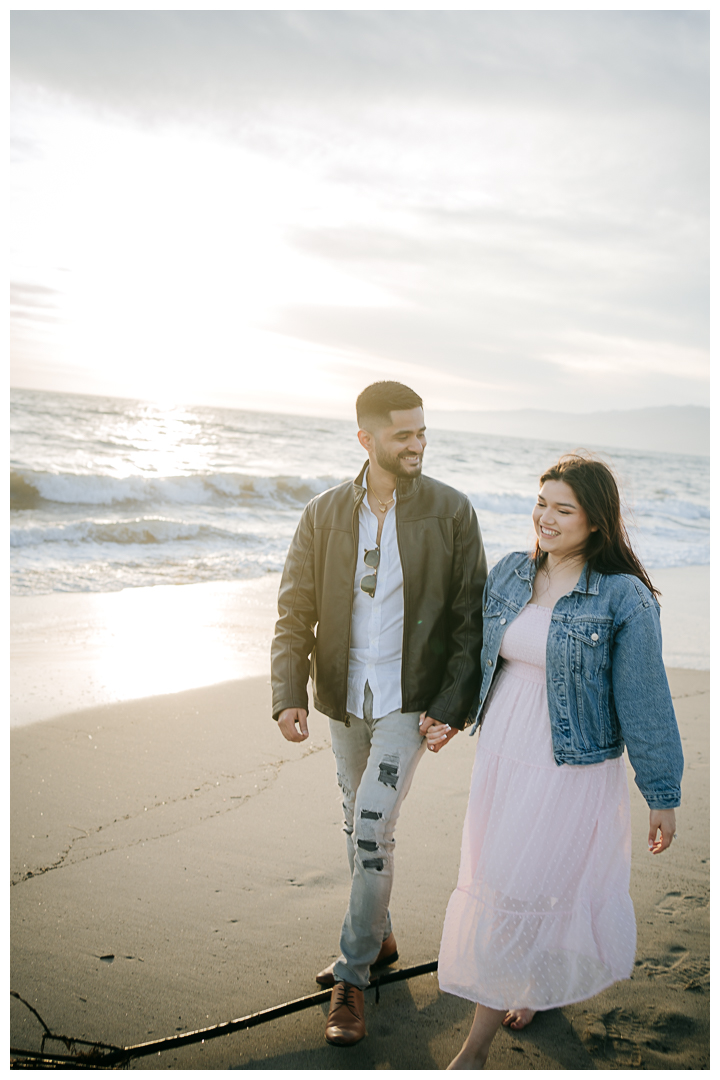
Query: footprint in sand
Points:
[681, 968]
[660, 965]
[613, 1036]
[669, 1031]
[695, 973]
[678, 903]
[634, 1041]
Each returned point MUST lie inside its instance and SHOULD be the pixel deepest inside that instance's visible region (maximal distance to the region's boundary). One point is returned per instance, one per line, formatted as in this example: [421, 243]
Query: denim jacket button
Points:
[503, 621]
[594, 637]
[489, 663]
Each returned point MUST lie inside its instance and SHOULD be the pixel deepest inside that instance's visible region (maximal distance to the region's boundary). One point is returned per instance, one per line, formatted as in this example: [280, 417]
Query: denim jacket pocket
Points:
[591, 641]
[493, 628]
[589, 646]
[494, 606]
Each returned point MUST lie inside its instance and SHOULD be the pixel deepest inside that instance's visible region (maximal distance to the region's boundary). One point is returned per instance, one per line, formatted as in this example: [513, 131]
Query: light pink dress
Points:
[541, 916]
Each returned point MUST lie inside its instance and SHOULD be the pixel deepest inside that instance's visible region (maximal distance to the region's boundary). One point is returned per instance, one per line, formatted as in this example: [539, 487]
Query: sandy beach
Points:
[176, 864]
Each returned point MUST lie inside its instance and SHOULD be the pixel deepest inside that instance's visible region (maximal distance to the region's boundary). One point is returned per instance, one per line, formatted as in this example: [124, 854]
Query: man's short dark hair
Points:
[378, 400]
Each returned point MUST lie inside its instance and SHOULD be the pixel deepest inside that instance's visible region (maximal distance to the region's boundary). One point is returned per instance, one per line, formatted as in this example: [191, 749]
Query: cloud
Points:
[225, 60]
[31, 306]
[499, 269]
[25, 294]
[518, 199]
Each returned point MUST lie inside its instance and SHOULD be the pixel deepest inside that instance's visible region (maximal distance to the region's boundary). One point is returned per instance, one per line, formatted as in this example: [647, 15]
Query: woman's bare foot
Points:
[476, 1047]
[518, 1019]
[466, 1059]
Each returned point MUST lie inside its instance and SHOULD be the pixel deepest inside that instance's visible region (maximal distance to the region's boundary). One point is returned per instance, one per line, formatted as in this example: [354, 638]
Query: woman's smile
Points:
[561, 524]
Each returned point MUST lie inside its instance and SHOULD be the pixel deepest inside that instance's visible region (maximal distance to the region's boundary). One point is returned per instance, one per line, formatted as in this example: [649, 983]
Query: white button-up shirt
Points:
[377, 622]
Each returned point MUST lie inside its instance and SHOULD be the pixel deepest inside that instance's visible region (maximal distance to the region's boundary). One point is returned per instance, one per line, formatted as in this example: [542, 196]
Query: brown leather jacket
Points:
[444, 571]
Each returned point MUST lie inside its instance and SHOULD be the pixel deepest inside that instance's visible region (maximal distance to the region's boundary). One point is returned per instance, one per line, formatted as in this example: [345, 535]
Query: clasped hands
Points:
[294, 726]
[436, 734]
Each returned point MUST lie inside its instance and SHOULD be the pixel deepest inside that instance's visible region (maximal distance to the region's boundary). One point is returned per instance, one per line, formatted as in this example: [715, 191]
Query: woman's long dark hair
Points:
[608, 549]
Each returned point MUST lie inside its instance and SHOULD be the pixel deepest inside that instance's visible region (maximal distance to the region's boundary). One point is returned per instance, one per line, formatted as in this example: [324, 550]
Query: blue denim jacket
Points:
[606, 683]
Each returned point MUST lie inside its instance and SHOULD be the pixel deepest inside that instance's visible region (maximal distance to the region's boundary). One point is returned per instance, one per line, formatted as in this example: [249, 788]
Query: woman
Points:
[572, 671]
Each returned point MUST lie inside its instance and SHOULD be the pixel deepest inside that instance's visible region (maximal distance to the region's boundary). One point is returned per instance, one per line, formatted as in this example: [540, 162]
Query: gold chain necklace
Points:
[383, 505]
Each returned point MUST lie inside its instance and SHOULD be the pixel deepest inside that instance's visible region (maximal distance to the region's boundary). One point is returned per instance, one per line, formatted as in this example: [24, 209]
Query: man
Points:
[389, 571]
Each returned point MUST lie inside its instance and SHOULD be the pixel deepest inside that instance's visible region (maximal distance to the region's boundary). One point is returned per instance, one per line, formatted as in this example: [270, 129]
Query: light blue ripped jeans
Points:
[376, 761]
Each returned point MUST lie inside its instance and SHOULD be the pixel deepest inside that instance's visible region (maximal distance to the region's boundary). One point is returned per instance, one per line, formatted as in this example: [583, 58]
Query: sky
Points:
[272, 209]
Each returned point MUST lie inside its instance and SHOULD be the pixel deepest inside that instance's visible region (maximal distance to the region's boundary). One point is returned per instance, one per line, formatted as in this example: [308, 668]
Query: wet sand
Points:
[71, 651]
[74, 650]
[176, 864]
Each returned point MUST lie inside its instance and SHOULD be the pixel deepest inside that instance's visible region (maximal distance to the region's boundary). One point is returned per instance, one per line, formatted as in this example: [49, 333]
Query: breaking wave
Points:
[29, 489]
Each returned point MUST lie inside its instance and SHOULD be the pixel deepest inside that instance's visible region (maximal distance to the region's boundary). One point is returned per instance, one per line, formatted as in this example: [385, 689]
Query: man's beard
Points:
[395, 464]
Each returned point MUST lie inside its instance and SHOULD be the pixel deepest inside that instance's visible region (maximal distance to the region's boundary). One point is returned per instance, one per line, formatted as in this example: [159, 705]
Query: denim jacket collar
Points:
[527, 571]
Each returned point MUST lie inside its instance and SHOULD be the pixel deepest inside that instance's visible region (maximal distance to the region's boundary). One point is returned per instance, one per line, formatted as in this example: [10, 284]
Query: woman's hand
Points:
[436, 734]
[664, 822]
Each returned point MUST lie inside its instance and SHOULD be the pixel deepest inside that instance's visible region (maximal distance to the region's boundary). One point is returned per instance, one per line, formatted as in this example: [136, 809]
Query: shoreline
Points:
[72, 651]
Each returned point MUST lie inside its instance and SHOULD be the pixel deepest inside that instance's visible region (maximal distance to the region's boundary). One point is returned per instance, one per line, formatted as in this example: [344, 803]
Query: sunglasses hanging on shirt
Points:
[369, 582]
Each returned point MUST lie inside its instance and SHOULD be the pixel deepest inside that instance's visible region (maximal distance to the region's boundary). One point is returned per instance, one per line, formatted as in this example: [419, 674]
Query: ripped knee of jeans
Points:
[373, 864]
[389, 768]
[370, 848]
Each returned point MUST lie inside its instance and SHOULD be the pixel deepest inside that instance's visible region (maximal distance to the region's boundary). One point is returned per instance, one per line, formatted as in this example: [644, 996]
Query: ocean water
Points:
[108, 493]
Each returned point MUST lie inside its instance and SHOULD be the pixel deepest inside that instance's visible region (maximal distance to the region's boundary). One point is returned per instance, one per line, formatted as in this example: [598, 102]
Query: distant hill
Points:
[679, 429]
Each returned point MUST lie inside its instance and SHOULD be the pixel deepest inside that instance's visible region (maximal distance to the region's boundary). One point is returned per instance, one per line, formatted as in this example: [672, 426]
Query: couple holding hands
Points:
[554, 657]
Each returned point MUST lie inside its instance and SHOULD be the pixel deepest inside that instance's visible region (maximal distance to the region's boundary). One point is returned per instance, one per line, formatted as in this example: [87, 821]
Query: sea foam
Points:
[108, 494]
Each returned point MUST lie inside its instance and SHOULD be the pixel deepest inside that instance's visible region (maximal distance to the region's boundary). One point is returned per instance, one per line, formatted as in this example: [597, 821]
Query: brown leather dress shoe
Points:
[346, 1019]
[388, 955]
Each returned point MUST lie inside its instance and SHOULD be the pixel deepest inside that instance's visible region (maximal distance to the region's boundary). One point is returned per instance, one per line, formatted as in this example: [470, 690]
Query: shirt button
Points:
[594, 637]
[503, 621]
[489, 664]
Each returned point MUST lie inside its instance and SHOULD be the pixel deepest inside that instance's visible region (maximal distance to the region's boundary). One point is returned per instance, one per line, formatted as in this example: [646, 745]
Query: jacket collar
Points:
[358, 487]
[527, 570]
[406, 486]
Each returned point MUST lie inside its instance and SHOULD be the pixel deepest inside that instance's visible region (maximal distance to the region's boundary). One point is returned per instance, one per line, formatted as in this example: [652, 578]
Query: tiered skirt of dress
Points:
[541, 916]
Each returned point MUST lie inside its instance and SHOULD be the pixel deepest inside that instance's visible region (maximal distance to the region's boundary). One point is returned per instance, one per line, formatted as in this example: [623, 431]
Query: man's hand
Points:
[436, 734]
[287, 720]
[664, 820]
